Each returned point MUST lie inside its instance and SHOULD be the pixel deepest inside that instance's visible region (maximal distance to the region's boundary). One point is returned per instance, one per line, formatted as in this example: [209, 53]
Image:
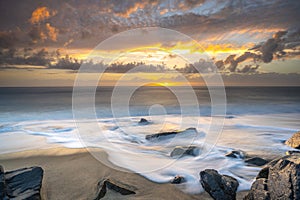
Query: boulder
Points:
[294, 141]
[236, 154]
[219, 187]
[257, 161]
[181, 151]
[121, 188]
[171, 134]
[143, 121]
[282, 182]
[24, 183]
[178, 179]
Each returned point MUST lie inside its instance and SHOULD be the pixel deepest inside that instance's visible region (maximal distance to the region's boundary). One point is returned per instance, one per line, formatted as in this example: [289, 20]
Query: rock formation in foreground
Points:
[219, 187]
[294, 141]
[121, 188]
[23, 183]
[279, 180]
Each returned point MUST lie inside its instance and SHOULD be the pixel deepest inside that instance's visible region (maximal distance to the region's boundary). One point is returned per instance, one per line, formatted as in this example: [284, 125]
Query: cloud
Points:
[7, 39]
[41, 14]
[52, 32]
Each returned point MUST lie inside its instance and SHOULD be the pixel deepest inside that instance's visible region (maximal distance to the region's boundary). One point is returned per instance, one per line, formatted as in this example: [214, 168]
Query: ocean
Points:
[257, 120]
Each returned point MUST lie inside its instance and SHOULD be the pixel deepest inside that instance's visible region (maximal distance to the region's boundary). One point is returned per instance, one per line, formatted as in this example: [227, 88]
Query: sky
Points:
[247, 42]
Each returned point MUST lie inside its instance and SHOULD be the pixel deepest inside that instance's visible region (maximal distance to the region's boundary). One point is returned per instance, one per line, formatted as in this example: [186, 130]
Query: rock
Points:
[256, 161]
[163, 135]
[2, 183]
[178, 179]
[121, 188]
[259, 190]
[143, 121]
[219, 187]
[282, 182]
[284, 178]
[292, 153]
[24, 183]
[294, 141]
[181, 151]
[236, 154]
[264, 173]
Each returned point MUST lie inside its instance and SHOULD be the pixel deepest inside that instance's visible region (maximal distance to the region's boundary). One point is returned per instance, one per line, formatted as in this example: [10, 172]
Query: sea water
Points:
[257, 120]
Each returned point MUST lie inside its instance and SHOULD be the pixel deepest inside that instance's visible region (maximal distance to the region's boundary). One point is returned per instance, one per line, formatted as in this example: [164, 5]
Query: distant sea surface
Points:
[258, 121]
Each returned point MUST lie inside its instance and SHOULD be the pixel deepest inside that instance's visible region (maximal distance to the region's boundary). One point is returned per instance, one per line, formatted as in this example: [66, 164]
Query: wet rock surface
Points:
[165, 135]
[282, 182]
[294, 141]
[119, 187]
[182, 151]
[219, 187]
[25, 183]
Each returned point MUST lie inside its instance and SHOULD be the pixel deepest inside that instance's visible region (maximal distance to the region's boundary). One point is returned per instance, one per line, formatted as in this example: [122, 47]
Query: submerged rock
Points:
[292, 153]
[178, 179]
[143, 121]
[257, 161]
[219, 187]
[24, 183]
[236, 154]
[282, 182]
[294, 141]
[105, 184]
[181, 151]
[163, 135]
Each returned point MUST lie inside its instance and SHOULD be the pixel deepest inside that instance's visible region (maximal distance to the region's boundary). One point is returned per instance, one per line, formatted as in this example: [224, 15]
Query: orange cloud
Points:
[41, 14]
[52, 32]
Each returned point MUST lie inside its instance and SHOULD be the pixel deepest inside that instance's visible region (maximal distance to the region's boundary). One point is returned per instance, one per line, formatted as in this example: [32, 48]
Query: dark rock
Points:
[162, 135]
[121, 188]
[219, 187]
[264, 173]
[294, 141]
[181, 151]
[236, 154]
[289, 153]
[259, 190]
[282, 182]
[2, 183]
[284, 178]
[178, 179]
[256, 161]
[24, 183]
[143, 121]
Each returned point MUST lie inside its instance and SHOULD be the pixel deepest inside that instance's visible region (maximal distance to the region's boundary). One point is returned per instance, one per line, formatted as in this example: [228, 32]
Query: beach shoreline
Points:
[74, 174]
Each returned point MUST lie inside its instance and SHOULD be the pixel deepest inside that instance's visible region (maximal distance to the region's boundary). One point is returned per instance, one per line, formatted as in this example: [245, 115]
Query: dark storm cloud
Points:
[283, 44]
[88, 22]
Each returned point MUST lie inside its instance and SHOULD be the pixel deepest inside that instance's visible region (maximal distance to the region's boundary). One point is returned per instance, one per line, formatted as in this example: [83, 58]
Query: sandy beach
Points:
[74, 174]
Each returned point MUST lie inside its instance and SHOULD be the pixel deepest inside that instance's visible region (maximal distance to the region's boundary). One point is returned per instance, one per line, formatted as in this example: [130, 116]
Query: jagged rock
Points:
[24, 183]
[283, 181]
[236, 154]
[178, 179]
[121, 188]
[294, 141]
[143, 121]
[181, 151]
[219, 187]
[264, 173]
[169, 134]
[256, 161]
[259, 190]
[2, 183]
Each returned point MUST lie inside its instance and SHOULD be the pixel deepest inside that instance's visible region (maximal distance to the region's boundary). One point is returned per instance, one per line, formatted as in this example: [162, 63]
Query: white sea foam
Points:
[124, 141]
